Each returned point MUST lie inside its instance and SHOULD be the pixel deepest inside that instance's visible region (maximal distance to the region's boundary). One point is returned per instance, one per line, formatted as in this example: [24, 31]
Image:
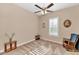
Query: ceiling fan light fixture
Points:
[43, 12]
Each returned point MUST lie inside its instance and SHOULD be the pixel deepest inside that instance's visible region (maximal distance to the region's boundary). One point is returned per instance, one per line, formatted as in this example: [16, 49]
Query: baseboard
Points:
[24, 43]
[51, 40]
[2, 51]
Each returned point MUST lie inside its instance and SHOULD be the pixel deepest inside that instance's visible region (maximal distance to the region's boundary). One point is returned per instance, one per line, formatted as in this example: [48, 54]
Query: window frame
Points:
[57, 26]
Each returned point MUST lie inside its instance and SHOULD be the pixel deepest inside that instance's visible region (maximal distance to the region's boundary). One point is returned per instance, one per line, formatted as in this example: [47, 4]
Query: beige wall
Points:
[26, 24]
[15, 19]
[69, 13]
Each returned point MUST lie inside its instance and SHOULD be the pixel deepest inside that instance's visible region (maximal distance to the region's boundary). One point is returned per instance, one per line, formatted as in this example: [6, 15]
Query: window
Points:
[53, 26]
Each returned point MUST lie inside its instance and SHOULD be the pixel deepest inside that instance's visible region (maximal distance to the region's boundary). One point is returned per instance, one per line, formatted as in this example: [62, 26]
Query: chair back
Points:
[74, 37]
[77, 44]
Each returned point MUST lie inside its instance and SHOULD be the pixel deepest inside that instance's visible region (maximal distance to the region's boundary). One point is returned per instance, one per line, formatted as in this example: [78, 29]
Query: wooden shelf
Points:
[9, 46]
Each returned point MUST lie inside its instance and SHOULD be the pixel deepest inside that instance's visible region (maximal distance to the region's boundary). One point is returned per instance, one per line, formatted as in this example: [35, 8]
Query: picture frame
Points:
[43, 25]
[67, 23]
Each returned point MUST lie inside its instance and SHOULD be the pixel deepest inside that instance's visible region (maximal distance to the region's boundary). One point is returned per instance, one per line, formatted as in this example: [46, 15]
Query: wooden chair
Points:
[70, 44]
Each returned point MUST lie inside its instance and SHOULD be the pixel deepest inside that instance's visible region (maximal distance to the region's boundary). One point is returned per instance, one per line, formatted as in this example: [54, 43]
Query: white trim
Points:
[57, 33]
[2, 51]
[51, 40]
[24, 43]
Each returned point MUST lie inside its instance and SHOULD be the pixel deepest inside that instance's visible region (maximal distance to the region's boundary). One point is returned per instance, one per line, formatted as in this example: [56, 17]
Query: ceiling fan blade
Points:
[37, 11]
[39, 7]
[49, 11]
[50, 5]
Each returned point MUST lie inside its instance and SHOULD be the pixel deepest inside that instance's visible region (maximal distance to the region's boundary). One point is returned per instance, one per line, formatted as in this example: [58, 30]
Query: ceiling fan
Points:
[45, 9]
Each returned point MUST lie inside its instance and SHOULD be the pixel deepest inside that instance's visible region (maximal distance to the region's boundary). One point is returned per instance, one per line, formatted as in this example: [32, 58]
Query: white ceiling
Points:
[55, 7]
